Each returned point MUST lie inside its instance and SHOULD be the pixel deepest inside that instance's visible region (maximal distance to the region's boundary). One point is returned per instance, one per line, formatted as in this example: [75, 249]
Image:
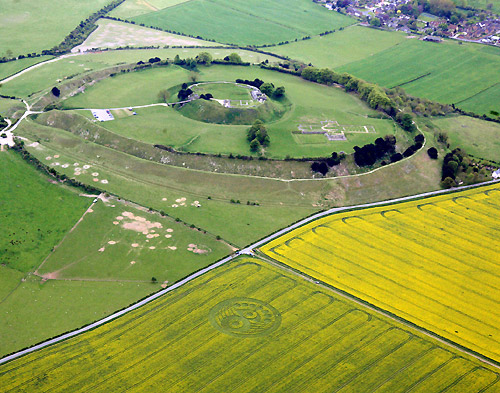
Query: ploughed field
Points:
[249, 327]
[433, 262]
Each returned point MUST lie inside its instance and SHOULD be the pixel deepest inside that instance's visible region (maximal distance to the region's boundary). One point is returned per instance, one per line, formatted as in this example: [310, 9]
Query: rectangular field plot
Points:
[434, 262]
[248, 327]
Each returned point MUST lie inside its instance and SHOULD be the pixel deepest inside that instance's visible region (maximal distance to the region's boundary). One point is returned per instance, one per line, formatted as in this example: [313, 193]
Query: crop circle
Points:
[245, 317]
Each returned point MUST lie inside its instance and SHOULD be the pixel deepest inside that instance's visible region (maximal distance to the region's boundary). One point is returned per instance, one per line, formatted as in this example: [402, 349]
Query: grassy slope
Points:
[10, 68]
[342, 47]
[323, 342]
[280, 202]
[480, 4]
[77, 258]
[310, 103]
[246, 22]
[35, 214]
[37, 310]
[27, 27]
[478, 137]
[448, 72]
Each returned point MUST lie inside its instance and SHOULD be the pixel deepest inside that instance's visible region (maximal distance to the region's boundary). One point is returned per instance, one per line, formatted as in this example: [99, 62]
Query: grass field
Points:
[113, 34]
[280, 202]
[432, 262]
[224, 91]
[246, 22]
[310, 103]
[484, 102]
[40, 80]
[479, 4]
[125, 243]
[342, 47]
[132, 8]
[478, 137]
[27, 27]
[249, 327]
[35, 214]
[11, 67]
[444, 72]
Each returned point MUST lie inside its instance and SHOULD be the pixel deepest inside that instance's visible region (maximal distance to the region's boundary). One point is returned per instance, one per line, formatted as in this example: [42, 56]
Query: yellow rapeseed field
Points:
[434, 262]
[249, 327]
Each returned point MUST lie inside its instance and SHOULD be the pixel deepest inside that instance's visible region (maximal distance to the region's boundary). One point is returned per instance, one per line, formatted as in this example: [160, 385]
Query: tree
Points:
[375, 22]
[234, 58]
[153, 280]
[204, 58]
[163, 95]
[254, 145]
[56, 92]
[279, 92]
[267, 88]
[433, 153]
[405, 120]
[448, 183]
[177, 60]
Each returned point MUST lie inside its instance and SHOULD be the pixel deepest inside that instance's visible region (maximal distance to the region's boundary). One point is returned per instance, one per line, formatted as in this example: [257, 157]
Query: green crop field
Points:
[119, 241]
[445, 72]
[250, 327]
[131, 8]
[27, 27]
[352, 44]
[246, 22]
[310, 105]
[483, 103]
[478, 137]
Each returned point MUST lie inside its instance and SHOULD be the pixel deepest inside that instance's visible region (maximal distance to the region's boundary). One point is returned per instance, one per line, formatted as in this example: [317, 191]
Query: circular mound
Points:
[230, 103]
[245, 317]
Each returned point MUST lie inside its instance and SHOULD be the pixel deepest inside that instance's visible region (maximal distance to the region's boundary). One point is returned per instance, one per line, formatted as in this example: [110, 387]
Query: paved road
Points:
[247, 251]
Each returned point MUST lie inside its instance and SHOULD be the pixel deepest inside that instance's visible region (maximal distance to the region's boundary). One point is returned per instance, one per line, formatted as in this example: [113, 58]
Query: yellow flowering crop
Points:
[434, 262]
[249, 326]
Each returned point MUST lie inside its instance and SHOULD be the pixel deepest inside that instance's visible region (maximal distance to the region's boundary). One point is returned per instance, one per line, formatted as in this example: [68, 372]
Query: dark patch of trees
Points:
[255, 83]
[153, 60]
[56, 92]
[320, 167]
[207, 96]
[257, 136]
[184, 93]
[433, 153]
[405, 120]
[370, 153]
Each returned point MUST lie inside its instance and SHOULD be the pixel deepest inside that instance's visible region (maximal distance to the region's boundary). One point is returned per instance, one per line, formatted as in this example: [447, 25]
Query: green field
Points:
[223, 91]
[131, 8]
[12, 67]
[280, 202]
[33, 83]
[479, 4]
[484, 102]
[310, 104]
[27, 27]
[125, 243]
[352, 44]
[114, 34]
[249, 22]
[445, 72]
[35, 214]
[478, 137]
[250, 327]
